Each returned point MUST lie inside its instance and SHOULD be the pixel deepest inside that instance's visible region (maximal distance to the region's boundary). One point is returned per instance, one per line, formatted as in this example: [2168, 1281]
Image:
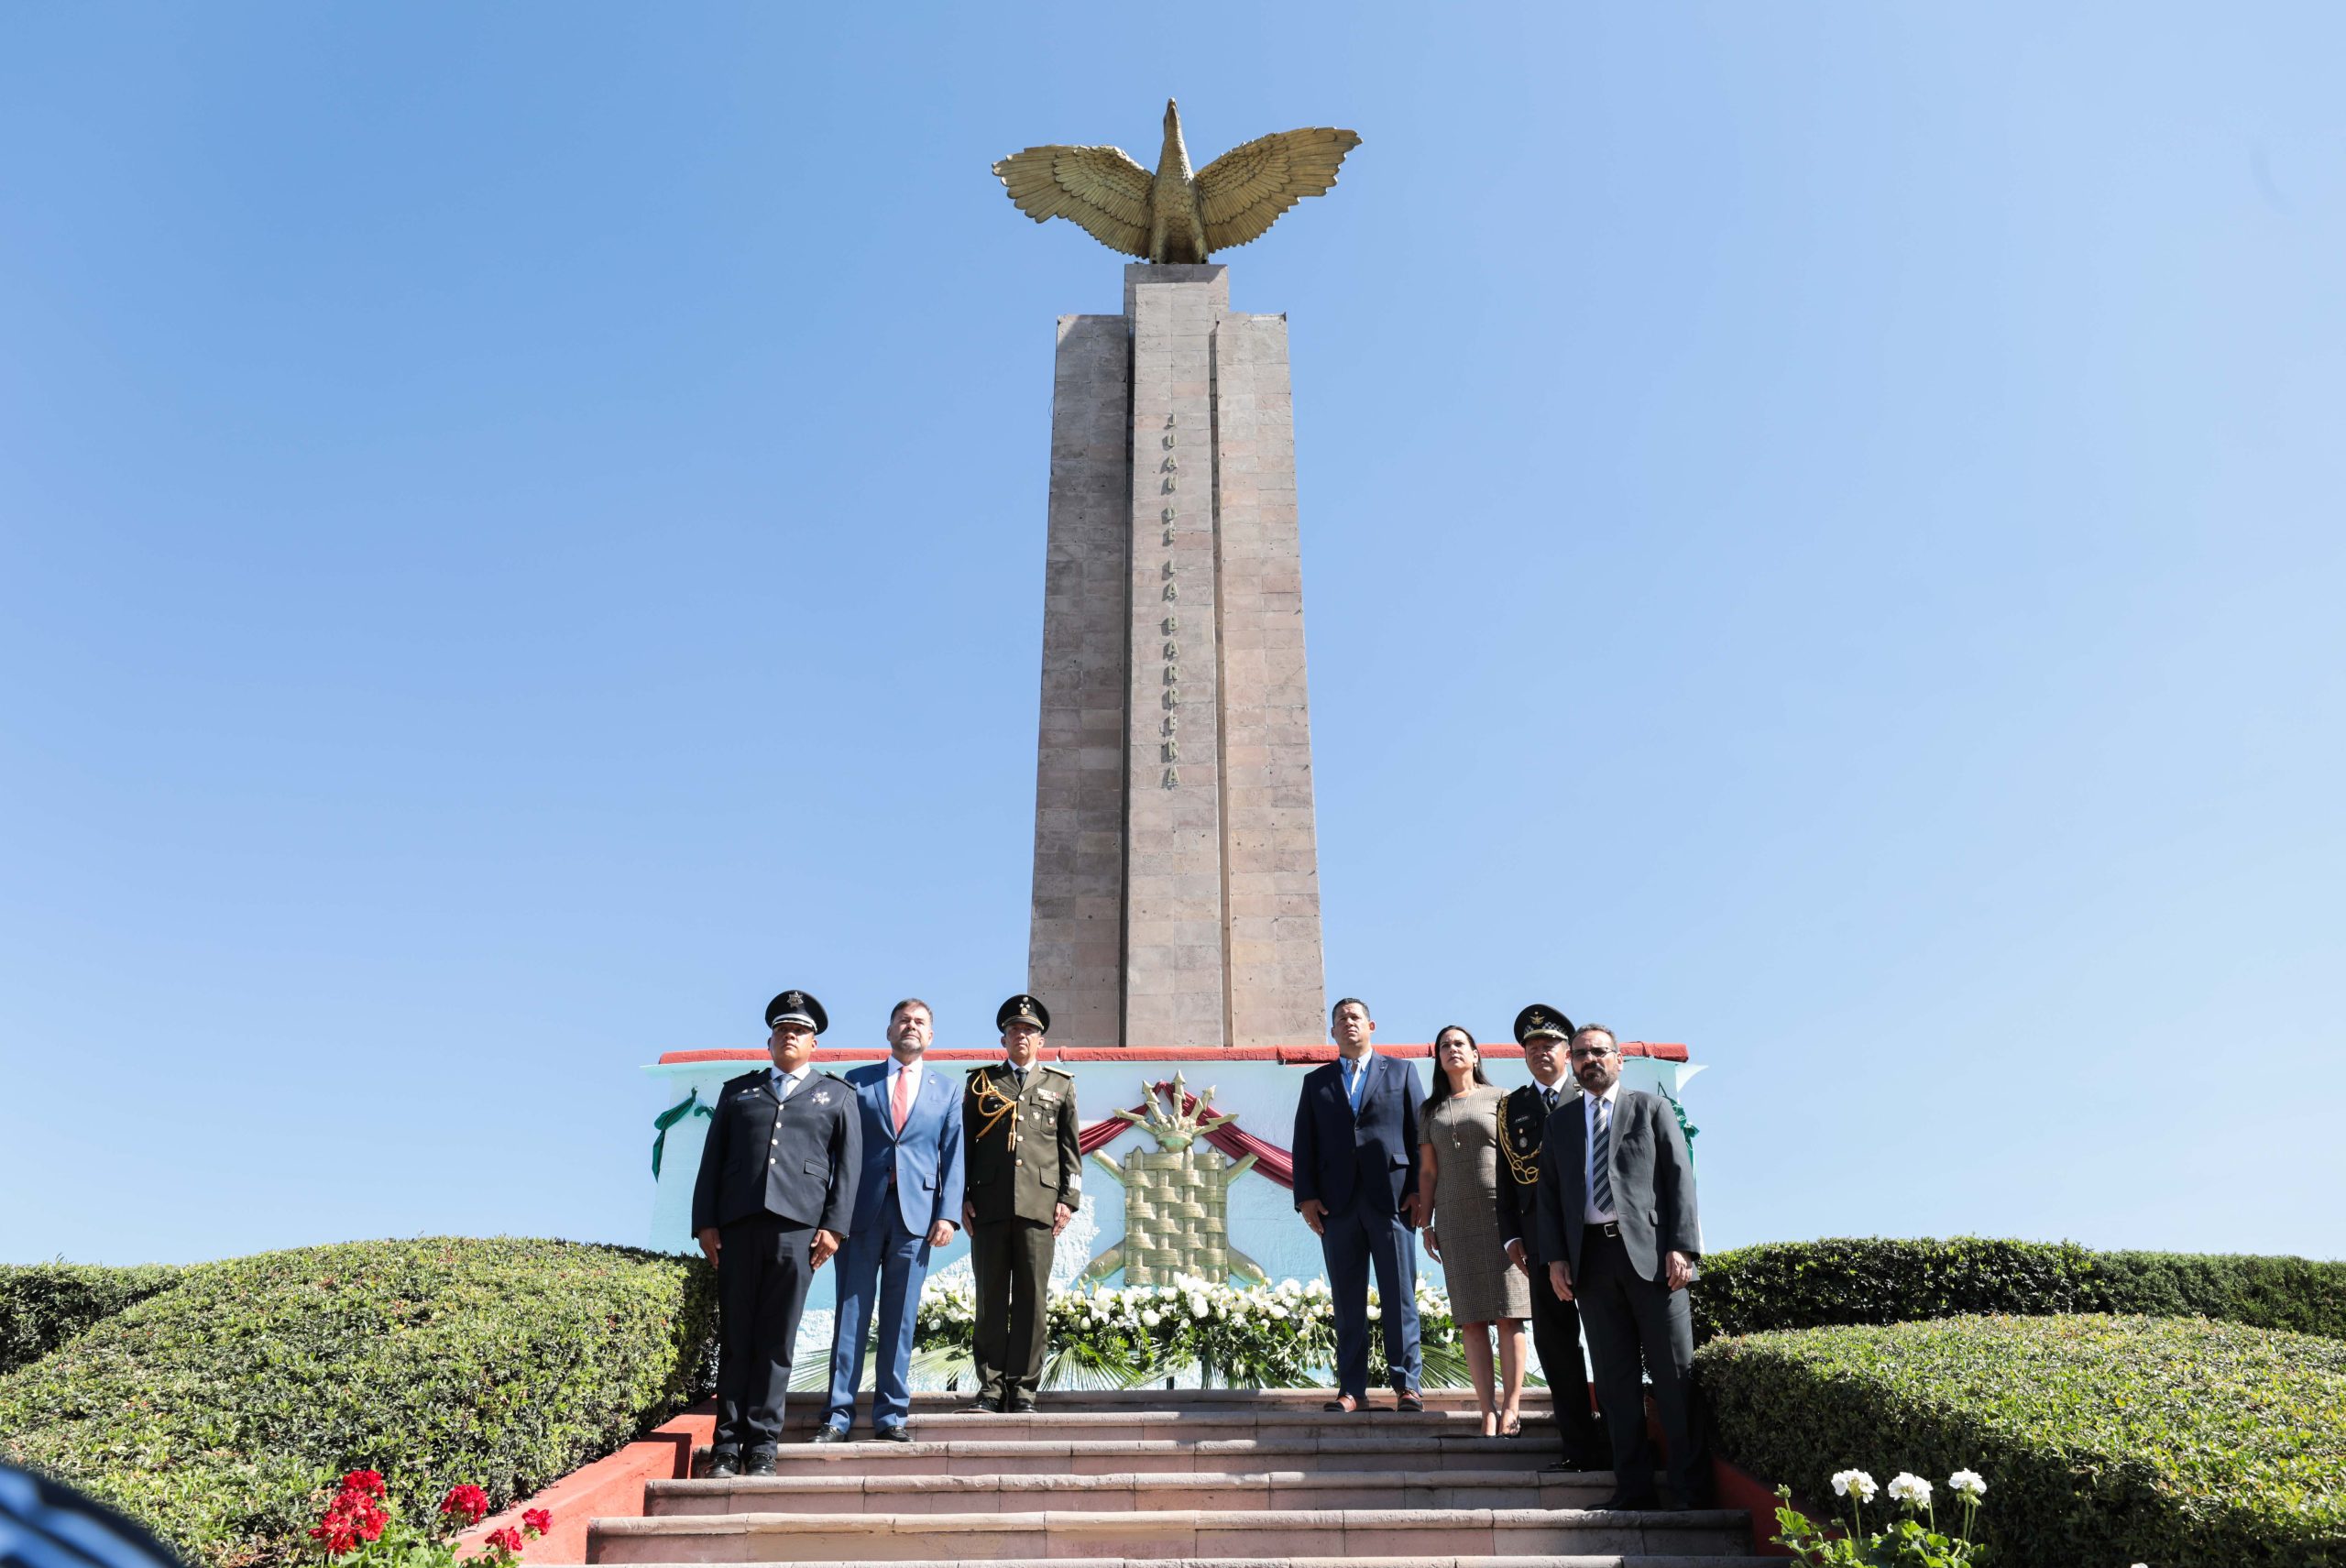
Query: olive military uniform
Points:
[1021, 1163]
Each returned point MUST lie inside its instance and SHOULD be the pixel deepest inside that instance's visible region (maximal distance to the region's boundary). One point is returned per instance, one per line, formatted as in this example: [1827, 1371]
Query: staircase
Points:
[1231, 1477]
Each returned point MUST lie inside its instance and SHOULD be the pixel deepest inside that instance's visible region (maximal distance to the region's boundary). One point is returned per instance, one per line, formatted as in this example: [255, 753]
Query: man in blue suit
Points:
[907, 1204]
[1356, 1186]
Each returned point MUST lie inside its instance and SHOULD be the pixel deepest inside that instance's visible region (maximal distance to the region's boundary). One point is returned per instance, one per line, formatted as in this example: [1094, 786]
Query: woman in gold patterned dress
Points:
[1458, 1178]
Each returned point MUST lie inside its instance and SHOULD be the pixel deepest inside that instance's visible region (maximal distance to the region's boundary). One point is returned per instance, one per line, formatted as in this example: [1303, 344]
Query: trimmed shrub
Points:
[2104, 1439]
[42, 1305]
[2293, 1293]
[1800, 1285]
[221, 1412]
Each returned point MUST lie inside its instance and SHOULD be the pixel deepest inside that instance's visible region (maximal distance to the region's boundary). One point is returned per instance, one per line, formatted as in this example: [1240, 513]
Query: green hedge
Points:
[218, 1412]
[1800, 1285]
[2103, 1440]
[42, 1305]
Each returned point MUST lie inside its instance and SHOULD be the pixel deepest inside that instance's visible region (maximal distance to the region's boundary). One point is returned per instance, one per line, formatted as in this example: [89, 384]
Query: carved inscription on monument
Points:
[1169, 754]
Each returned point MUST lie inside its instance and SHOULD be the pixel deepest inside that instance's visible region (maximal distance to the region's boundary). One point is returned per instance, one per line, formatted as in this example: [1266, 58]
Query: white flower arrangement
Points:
[1261, 1334]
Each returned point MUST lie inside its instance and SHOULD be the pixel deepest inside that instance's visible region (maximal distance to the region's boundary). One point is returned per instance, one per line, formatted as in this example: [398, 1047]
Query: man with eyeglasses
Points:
[1618, 1226]
[1543, 1032]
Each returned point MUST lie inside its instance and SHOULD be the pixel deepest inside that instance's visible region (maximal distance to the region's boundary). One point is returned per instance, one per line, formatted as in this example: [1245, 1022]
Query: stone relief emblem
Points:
[1177, 1198]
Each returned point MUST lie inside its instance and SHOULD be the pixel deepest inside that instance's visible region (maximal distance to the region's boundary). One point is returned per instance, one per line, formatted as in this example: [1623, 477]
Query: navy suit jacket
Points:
[799, 1161]
[1371, 1158]
[925, 1159]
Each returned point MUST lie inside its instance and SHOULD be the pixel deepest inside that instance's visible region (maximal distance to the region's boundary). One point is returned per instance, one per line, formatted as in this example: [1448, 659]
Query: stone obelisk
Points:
[1177, 883]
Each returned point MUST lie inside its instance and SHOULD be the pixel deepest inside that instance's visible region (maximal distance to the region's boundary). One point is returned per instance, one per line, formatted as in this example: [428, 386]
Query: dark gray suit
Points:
[1618, 1277]
[771, 1175]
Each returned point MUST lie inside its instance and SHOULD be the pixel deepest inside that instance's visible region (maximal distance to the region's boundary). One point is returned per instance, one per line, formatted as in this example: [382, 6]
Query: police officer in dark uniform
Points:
[771, 1205]
[1025, 1182]
[1543, 1031]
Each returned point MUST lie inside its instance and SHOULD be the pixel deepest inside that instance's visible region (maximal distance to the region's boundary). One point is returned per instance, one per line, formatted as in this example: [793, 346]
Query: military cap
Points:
[796, 1007]
[1541, 1019]
[1024, 1008]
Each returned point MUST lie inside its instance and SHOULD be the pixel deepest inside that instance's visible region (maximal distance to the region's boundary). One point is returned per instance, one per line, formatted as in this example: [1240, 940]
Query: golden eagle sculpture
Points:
[1174, 215]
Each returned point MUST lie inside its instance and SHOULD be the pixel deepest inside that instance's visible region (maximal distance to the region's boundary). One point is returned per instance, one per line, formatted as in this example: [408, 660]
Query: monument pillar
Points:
[1177, 897]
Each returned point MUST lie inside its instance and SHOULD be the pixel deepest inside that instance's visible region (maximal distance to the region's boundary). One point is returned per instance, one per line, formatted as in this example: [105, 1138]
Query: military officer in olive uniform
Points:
[1025, 1182]
[1543, 1031]
[771, 1205]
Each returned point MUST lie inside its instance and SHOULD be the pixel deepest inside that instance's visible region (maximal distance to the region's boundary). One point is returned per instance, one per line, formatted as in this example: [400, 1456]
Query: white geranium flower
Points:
[1969, 1484]
[1910, 1488]
[1855, 1482]
[1150, 1319]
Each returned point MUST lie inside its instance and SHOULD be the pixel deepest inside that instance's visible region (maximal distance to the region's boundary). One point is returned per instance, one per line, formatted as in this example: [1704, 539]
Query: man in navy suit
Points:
[1356, 1186]
[910, 1184]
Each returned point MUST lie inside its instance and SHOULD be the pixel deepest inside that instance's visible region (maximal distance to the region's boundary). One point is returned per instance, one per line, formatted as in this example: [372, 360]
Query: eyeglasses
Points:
[1591, 1053]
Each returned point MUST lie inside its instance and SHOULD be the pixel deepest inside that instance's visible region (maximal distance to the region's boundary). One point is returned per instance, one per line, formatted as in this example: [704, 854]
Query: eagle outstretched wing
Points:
[1097, 187]
[1243, 192]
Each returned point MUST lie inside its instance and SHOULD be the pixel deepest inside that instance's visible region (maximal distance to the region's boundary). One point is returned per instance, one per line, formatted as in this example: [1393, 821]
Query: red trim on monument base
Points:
[1298, 1056]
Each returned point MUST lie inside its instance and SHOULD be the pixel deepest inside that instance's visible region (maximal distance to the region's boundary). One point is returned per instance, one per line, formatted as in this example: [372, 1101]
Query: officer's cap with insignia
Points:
[1543, 1022]
[1023, 1009]
[796, 1007]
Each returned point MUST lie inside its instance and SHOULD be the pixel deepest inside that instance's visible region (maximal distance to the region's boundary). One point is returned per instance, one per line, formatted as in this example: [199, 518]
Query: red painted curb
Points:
[610, 1487]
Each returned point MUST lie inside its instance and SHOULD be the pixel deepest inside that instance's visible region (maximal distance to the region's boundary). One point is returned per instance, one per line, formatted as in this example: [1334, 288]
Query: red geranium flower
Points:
[467, 1501]
[537, 1520]
[336, 1533]
[505, 1539]
[368, 1482]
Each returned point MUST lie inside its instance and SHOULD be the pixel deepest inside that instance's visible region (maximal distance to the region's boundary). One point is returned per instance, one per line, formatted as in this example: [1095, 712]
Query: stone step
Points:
[804, 1408]
[1156, 1535]
[1574, 1560]
[1342, 1448]
[1129, 1491]
[1196, 1423]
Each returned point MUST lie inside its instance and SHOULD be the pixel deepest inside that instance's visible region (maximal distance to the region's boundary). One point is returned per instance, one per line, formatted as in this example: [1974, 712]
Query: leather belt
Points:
[1611, 1228]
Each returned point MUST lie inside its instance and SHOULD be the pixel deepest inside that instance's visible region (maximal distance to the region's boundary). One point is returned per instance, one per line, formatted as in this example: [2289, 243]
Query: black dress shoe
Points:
[990, 1403]
[1643, 1503]
[1407, 1400]
[1021, 1403]
[761, 1463]
[897, 1434]
[723, 1463]
[828, 1433]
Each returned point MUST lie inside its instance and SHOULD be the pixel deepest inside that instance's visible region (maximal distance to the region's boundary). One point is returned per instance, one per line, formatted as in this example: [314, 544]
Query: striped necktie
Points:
[1600, 1159]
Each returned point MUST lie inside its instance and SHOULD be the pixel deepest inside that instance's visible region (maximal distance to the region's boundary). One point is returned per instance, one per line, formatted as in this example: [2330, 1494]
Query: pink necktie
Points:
[900, 1101]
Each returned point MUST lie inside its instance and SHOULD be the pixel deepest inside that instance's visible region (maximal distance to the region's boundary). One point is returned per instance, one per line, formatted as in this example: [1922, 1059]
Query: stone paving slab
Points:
[1126, 1491]
[1159, 1535]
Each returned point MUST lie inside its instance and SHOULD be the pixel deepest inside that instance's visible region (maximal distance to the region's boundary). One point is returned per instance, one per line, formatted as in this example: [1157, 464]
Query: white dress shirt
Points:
[1591, 1105]
[910, 1073]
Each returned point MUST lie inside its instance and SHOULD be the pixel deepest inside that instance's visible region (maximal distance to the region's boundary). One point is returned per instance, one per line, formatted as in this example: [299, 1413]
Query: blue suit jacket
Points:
[1371, 1158]
[927, 1160]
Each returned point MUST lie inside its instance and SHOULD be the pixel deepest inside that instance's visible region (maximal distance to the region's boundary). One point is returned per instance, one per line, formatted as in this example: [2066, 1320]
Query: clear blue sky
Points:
[520, 534]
